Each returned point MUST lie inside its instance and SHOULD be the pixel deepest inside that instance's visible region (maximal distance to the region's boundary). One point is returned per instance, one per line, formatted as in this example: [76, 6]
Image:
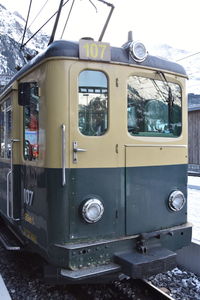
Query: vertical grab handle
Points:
[10, 205]
[63, 154]
[8, 192]
[11, 182]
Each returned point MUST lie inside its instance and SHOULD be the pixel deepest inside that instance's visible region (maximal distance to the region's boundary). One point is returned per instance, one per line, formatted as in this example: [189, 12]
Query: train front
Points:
[115, 126]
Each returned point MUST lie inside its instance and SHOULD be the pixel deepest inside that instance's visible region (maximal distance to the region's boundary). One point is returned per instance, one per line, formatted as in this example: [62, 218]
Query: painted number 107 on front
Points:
[91, 50]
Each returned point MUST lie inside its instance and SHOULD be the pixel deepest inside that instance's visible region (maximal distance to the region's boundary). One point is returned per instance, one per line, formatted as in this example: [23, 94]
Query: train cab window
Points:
[5, 129]
[93, 103]
[31, 122]
[154, 107]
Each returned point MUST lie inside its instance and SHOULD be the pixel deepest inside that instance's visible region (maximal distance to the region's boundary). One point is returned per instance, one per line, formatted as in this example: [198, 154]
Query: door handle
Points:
[75, 150]
[79, 150]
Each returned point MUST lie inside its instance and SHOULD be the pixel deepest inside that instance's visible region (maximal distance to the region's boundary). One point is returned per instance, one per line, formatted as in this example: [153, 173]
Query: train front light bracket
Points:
[138, 51]
[176, 200]
[92, 210]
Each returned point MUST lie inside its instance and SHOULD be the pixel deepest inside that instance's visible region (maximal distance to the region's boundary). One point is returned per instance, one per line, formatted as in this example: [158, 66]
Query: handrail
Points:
[10, 212]
[8, 193]
[63, 154]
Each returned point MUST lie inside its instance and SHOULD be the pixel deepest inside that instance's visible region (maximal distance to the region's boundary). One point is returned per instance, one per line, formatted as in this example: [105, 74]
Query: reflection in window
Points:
[5, 129]
[93, 103]
[31, 123]
[154, 107]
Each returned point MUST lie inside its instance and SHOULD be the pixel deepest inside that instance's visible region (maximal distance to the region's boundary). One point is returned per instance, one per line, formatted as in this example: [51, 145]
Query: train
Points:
[93, 161]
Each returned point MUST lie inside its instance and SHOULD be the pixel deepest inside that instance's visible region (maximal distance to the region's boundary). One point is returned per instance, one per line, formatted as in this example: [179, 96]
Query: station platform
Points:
[4, 294]
[194, 207]
[189, 257]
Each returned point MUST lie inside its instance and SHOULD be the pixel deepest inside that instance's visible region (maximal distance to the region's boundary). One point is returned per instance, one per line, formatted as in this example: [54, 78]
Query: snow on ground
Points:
[194, 206]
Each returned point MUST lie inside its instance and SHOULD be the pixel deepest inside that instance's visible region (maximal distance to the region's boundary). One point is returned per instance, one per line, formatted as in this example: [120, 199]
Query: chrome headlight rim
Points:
[133, 47]
[171, 200]
[88, 205]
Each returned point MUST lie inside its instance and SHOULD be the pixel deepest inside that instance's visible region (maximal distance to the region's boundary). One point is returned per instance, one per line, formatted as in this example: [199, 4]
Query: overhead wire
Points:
[24, 44]
[26, 25]
[44, 24]
[38, 13]
[67, 19]
[192, 73]
[35, 18]
[188, 56]
[93, 5]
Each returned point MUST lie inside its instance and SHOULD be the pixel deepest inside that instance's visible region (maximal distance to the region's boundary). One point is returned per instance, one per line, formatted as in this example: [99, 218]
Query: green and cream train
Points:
[93, 161]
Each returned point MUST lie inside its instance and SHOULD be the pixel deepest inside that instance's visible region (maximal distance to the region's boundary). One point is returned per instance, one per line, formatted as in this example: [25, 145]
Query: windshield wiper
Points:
[169, 100]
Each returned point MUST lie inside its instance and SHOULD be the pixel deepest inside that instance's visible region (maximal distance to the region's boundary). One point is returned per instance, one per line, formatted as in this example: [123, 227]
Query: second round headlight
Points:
[92, 210]
[176, 200]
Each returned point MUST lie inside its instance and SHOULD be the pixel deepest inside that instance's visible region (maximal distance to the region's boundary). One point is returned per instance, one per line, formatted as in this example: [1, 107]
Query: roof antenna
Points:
[108, 18]
[56, 23]
[130, 36]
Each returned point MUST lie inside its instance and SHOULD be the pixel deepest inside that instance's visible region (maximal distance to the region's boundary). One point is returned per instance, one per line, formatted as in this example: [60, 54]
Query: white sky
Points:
[173, 22]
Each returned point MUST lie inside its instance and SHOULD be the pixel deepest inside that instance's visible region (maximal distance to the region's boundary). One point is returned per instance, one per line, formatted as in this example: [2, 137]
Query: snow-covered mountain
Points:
[190, 62]
[11, 32]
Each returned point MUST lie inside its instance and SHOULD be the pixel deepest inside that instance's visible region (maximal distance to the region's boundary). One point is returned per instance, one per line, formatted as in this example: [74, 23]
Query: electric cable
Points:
[38, 14]
[93, 5]
[105, 2]
[67, 19]
[188, 56]
[26, 24]
[43, 25]
[35, 18]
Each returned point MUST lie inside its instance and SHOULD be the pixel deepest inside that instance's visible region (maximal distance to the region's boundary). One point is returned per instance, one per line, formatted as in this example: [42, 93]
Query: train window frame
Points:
[101, 103]
[6, 123]
[31, 122]
[152, 122]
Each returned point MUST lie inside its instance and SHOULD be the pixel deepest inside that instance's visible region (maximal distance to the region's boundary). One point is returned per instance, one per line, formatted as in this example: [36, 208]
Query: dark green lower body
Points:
[138, 256]
[135, 201]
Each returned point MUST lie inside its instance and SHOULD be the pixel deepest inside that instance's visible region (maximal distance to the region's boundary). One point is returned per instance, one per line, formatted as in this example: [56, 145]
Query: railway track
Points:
[121, 290]
[141, 290]
[156, 292]
[23, 279]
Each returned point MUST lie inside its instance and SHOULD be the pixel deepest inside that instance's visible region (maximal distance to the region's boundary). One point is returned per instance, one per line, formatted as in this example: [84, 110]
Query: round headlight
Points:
[176, 200]
[138, 51]
[92, 210]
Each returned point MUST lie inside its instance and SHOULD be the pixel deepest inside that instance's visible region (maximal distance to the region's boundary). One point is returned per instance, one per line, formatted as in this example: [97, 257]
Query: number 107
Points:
[95, 50]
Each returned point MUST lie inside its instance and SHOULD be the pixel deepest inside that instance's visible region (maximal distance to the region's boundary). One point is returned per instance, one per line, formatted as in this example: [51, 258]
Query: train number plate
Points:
[91, 50]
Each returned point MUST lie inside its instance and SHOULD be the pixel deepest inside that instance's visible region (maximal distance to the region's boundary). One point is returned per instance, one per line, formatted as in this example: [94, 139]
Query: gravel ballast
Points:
[22, 274]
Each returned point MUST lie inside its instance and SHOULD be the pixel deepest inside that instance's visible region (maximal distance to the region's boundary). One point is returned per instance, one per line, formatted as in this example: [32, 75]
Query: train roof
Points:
[63, 48]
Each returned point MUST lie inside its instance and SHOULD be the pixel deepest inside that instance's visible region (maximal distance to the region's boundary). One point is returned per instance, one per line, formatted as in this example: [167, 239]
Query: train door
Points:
[92, 150]
[9, 206]
[154, 126]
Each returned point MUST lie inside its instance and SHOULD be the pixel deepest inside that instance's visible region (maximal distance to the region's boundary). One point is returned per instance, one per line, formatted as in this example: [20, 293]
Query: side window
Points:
[5, 128]
[93, 103]
[154, 107]
[31, 122]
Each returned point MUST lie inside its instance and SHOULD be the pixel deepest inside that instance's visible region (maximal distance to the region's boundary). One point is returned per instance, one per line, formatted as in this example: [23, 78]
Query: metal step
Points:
[8, 239]
[90, 272]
